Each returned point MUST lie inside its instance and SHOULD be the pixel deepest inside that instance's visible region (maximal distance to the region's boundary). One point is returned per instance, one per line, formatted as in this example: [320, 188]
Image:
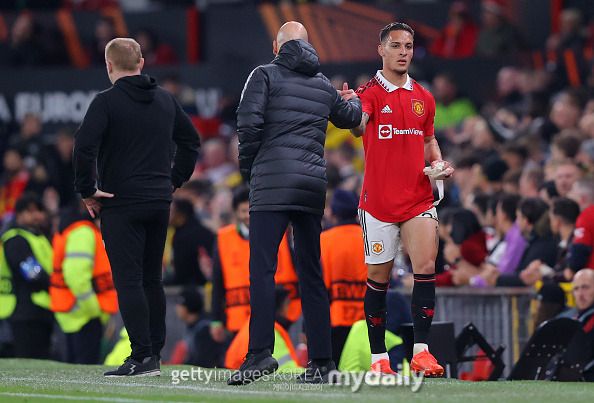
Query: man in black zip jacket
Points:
[282, 119]
[127, 131]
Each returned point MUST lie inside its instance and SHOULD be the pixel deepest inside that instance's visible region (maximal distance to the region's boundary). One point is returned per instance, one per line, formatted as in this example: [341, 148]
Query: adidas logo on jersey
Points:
[386, 109]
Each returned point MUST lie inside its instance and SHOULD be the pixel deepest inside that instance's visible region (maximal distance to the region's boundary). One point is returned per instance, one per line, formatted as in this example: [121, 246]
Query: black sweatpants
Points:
[84, 346]
[266, 232]
[32, 338]
[134, 241]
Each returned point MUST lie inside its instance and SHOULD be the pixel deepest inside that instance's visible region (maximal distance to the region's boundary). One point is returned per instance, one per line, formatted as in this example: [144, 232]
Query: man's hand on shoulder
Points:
[346, 93]
[93, 203]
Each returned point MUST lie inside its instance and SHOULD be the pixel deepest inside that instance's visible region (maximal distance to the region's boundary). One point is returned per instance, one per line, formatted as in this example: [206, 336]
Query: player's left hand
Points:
[345, 93]
[446, 167]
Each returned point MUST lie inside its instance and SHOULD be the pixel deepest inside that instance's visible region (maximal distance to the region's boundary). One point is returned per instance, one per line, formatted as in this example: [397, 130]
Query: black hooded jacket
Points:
[128, 129]
[282, 120]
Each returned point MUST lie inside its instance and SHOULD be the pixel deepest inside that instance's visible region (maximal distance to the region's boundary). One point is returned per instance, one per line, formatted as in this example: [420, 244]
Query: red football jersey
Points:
[395, 188]
[584, 232]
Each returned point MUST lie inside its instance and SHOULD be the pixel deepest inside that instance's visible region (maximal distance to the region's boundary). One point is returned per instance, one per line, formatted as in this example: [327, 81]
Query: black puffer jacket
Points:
[282, 120]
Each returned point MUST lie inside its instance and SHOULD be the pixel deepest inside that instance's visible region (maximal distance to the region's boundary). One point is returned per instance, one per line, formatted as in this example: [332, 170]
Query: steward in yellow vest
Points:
[25, 267]
[81, 288]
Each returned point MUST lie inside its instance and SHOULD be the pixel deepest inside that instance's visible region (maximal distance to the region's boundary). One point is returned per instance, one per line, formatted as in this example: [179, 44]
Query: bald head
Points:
[583, 288]
[289, 31]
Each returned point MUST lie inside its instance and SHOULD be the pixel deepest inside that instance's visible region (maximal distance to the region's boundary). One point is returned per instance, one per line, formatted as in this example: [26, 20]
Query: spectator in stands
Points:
[465, 246]
[25, 46]
[550, 302]
[515, 156]
[540, 244]
[563, 216]
[191, 239]
[508, 91]
[497, 36]
[566, 173]
[343, 264]
[585, 156]
[342, 158]
[565, 114]
[13, 182]
[506, 255]
[571, 32]
[155, 52]
[583, 293]
[104, 32]
[565, 146]
[483, 207]
[464, 178]
[450, 107]
[62, 175]
[214, 159]
[199, 192]
[29, 140]
[510, 183]
[185, 95]
[489, 175]
[586, 124]
[198, 346]
[25, 270]
[531, 181]
[581, 252]
[458, 38]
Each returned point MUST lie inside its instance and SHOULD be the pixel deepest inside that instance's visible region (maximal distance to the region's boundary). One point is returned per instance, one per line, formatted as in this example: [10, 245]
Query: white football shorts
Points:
[382, 239]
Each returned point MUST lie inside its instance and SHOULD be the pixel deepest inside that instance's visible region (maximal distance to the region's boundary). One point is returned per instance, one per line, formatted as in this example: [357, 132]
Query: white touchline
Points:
[206, 389]
[71, 397]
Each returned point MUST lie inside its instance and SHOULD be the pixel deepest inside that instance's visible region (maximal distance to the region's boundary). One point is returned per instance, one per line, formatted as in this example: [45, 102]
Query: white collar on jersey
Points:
[388, 86]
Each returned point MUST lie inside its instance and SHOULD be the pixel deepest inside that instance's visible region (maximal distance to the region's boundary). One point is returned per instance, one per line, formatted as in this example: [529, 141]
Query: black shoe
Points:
[316, 373]
[253, 368]
[150, 366]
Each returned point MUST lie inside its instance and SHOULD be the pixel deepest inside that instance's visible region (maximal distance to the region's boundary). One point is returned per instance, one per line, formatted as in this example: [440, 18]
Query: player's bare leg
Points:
[419, 236]
[378, 281]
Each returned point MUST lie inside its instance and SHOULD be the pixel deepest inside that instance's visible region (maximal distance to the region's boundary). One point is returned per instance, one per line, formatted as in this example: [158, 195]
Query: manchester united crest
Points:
[418, 107]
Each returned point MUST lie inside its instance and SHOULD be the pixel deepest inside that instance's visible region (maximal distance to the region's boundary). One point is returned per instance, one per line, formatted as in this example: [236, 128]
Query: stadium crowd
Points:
[519, 211]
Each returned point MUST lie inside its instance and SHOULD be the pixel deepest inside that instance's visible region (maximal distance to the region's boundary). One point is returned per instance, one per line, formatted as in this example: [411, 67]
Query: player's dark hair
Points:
[566, 209]
[241, 194]
[395, 26]
[509, 205]
[533, 208]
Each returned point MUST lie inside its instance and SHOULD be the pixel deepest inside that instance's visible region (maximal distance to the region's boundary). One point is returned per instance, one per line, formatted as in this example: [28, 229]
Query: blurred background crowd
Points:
[522, 145]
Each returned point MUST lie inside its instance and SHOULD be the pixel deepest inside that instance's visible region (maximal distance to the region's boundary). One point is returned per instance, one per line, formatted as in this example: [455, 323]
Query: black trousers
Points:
[266, 232]
[32, 338]
[339, 336]
[83, 347]
[134, 241]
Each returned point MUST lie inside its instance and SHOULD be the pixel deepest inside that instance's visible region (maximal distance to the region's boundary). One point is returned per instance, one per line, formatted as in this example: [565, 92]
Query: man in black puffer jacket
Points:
[282, 119]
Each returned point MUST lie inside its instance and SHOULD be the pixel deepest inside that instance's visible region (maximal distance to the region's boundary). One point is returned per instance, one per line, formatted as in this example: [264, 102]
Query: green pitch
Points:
[32, 381]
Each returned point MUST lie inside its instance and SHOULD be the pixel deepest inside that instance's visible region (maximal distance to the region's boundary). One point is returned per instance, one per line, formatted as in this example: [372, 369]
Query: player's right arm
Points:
[360, 130]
